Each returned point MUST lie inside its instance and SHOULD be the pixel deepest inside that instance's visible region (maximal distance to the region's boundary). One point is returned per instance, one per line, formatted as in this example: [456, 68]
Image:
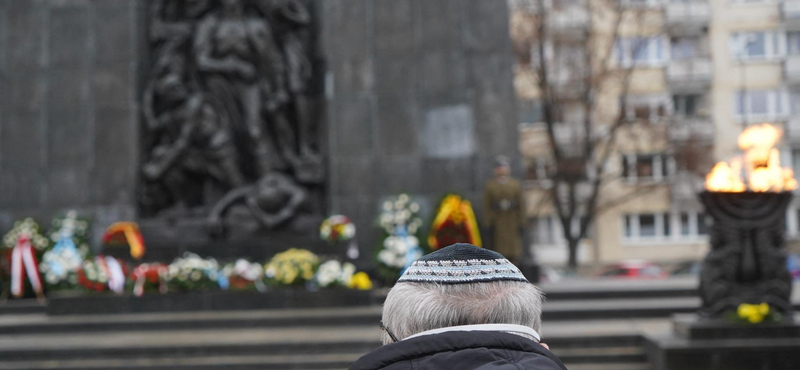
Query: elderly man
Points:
[461, 307]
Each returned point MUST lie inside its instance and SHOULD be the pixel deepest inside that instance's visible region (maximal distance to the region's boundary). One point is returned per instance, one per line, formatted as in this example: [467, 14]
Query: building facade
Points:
[700, 72]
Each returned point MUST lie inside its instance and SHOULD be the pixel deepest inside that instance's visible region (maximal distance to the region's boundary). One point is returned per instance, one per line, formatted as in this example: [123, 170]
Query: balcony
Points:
[790, 11]
[792, 130]
[569, 20]
[791, 69]
[689, 75]
[691, 128]
[688, 18]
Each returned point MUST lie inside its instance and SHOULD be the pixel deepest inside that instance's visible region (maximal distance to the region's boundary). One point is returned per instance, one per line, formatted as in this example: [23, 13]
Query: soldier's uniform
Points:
[503, 214]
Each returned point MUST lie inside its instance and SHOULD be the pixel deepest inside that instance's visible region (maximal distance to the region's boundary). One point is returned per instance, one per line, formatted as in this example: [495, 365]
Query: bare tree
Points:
[571, 49]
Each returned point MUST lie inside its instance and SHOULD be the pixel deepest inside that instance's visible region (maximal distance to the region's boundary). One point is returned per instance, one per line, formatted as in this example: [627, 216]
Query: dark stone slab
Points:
[442, 72]
[395, 73]
[440, 24]
[487, 28]
[68, 89]
[449, 175]
[394, 26]
[24, 25]
[112, 85]
[689, 326]
[400, 174]
[703, 345]
[355, 173]
[346, 27]
[113, 21]
[67, 186]
[21, 188]
[396, 125]
[17, 154]
[207, 301]
[68, 139]
[354, 75]
[354, 127]
[69, 35]
[26, 89]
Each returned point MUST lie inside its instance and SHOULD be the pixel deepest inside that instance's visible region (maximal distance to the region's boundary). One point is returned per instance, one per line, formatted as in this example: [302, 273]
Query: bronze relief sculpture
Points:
[226, 112]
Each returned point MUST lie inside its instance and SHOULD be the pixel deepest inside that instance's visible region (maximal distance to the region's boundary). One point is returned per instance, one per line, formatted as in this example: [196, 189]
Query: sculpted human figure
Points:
[245, 72]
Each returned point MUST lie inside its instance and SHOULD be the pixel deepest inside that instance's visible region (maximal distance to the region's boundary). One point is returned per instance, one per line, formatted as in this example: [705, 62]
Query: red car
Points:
[634, 270]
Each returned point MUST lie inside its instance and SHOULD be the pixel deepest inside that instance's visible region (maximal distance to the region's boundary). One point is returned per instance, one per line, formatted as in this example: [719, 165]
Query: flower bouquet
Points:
[24, 245]
[193, 273]
[400, 222]
[60, 265]
[334, 274]
[291, 267]
[244, 275]
[103, 273]
[360, 281]
[149, 277]
[340, 229]
[755, 314]
[454, 223]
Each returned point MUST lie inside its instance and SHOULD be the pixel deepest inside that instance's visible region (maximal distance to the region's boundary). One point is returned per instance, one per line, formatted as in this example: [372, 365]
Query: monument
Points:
[229, 148]
[745, 287]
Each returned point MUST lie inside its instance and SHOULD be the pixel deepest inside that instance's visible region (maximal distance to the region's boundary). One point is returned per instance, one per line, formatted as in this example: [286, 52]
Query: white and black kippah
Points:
[461, 263]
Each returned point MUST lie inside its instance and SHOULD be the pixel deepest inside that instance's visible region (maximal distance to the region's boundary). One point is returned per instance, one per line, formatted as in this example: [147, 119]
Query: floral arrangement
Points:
[360, 281]
[291, 267]
[334, 274]
[125, 233]
[103, 273]
[756, 313]
[193, 273]
[24, 245]
[455, 222]
[30, 228]
[60, 265]
[244, 275]
[400, 221]
[149, 277]
[337, 228]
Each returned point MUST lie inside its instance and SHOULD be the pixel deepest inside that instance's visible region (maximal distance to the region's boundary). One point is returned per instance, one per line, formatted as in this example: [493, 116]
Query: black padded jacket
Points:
[461, 350]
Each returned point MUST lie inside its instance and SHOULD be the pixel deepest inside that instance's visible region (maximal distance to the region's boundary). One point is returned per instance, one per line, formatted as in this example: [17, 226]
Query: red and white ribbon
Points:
[112, 268]
[23, 261]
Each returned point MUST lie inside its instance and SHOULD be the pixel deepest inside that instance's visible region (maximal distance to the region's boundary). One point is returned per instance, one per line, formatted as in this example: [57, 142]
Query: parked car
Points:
[687, 268]
[634, 270]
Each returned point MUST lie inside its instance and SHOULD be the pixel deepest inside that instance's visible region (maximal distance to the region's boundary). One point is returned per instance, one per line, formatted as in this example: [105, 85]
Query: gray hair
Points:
[412, 307]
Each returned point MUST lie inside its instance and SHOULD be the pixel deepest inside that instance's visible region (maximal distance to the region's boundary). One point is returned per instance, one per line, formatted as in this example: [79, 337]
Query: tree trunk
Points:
[572, 244]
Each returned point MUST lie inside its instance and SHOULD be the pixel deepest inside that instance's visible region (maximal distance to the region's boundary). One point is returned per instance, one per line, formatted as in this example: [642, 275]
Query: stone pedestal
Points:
[698, 344]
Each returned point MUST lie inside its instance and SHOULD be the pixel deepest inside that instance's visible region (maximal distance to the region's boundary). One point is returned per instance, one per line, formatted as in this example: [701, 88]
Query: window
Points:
[686, 229]
[647, 225]
[760, 104]
[793, 43]
[641, 51]
[538, 169]
[647, 108]
[544, 231]
[658, 226]
[688, 105]
[757, 45]
[796, 161]
[702, 224]
[684, 47]
[647, 166]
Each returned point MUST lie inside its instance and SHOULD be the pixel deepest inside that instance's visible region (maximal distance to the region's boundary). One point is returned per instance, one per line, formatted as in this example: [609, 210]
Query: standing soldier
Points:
[504, 212]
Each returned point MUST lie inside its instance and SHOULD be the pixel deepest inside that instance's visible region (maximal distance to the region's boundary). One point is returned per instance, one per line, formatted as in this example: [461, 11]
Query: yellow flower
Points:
[753, 313]
[360, 281]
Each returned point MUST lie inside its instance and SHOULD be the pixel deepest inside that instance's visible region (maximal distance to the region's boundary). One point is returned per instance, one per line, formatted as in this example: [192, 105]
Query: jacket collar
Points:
[426, 345]
[509, 328]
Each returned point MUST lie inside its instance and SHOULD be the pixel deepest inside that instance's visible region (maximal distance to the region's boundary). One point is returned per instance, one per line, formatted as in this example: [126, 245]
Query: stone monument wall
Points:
[68, 111]
[420, 100]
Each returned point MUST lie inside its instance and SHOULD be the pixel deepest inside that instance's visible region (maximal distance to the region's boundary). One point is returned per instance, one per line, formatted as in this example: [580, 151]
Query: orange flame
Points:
[762, 169]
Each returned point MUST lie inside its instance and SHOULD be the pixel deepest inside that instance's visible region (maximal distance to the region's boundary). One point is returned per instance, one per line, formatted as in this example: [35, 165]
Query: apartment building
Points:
[702, 70]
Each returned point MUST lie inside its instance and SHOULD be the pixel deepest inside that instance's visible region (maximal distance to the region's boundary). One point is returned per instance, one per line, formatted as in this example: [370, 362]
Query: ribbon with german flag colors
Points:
[454, 223]
[126, 233]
